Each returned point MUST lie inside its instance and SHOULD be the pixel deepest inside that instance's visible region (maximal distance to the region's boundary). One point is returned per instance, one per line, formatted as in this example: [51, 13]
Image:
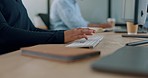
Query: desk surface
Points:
[13, 65]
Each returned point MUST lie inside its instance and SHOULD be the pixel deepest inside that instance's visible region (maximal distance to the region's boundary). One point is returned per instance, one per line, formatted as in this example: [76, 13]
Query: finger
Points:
[79, 37]
[85, 36]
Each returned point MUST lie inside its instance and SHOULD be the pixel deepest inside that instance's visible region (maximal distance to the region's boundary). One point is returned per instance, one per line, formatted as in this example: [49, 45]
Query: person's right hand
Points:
[78, 33]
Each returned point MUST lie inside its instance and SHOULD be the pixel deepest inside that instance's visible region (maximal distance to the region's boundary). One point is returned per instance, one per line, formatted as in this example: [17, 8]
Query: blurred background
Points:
[95, 11]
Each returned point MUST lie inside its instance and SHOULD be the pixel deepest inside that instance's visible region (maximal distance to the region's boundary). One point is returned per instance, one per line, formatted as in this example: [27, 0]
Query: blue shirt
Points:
[65, 14]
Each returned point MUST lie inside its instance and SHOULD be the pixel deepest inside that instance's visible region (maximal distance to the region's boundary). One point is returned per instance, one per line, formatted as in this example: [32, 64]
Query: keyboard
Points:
[91, 42]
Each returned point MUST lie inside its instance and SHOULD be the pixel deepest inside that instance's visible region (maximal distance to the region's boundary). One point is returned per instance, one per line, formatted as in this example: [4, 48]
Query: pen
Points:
[137, 43]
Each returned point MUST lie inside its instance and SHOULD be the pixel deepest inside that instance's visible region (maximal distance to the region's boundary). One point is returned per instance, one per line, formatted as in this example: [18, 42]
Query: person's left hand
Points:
[78, 33]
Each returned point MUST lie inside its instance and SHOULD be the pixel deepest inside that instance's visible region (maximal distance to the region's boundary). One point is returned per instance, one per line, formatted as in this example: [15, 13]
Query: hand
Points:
[78, 33]
[105, 25]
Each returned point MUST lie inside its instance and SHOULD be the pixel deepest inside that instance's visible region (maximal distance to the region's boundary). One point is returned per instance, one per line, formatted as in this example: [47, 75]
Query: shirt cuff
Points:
[60, 37]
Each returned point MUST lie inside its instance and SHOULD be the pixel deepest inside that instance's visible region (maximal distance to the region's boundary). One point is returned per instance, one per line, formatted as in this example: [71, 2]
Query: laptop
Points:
[127, 60]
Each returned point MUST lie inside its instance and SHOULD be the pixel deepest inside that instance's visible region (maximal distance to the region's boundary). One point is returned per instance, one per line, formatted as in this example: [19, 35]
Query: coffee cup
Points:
[132, 28]
[111, 21]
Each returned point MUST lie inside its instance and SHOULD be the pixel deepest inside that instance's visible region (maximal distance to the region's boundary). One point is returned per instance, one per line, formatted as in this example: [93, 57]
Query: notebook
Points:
[59, 53]
[126, 60]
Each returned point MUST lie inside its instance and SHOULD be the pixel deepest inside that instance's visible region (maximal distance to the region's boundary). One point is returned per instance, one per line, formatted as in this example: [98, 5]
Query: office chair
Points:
[45, 19]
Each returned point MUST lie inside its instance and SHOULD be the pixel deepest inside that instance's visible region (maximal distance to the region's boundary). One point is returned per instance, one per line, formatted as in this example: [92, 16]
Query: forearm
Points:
[21, 38]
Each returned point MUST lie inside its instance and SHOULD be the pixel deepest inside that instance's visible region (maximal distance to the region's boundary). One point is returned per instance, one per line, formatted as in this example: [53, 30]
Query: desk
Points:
[13, 65]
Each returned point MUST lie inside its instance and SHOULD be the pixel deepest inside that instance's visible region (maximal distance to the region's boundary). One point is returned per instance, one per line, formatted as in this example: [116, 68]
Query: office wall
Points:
[129, 9]
[118, 10]
[35, 6]
[95, 11]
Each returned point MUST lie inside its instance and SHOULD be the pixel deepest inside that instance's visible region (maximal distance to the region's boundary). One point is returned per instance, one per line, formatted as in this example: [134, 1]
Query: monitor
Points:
[140, 11]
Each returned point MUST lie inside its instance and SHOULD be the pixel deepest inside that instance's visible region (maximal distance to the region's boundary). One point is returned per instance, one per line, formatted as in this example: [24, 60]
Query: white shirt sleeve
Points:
[70, 15]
